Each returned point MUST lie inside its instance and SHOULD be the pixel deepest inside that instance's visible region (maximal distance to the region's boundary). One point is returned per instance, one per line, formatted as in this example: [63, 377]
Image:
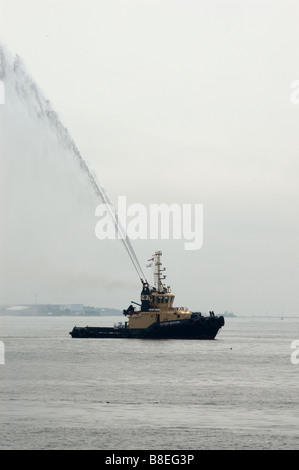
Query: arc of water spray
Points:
[101, 193]
[28, 87]
[120, 229]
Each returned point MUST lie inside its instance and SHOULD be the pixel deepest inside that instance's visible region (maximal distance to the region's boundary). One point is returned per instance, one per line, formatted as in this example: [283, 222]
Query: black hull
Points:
[202, 328]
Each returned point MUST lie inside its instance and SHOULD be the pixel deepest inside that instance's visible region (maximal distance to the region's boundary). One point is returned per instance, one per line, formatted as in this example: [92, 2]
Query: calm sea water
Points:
[240, 391]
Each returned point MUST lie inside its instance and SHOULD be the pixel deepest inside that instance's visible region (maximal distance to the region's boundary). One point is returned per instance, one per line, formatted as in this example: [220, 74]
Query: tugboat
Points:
[156, 317]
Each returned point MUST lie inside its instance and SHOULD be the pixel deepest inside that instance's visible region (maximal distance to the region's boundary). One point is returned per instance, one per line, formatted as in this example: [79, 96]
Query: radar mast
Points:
[158, 270]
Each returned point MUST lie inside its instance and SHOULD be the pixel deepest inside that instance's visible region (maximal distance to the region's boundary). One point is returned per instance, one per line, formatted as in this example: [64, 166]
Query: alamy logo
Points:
[2, 92]
[295, 354]
[159, 221]
[2, 353]
[294, 98]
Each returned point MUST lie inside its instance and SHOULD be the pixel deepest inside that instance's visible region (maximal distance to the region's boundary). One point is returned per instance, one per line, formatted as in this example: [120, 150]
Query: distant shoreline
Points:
[57, 310]
[80, 310]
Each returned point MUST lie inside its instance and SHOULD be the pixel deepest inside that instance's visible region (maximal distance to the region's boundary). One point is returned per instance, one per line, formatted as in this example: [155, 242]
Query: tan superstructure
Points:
[156, 302]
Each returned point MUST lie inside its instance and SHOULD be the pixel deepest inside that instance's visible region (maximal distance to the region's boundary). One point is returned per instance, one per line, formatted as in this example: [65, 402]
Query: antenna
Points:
[158, 272]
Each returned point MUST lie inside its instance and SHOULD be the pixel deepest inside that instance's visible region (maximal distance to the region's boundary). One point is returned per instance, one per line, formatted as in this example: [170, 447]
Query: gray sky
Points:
[177, 101]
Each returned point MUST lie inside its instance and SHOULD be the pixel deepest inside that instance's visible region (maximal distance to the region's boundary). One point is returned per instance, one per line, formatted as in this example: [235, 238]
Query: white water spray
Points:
[102, 194]
[29, 119]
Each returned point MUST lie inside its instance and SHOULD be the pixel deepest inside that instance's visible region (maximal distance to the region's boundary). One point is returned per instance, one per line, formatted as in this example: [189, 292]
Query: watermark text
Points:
[294, 98]
[295, 353]
[2, 92]
[158, 221]
[2, 353]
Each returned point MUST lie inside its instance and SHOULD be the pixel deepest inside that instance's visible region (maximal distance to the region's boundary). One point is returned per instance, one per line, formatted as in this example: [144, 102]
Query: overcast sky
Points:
[181, 102]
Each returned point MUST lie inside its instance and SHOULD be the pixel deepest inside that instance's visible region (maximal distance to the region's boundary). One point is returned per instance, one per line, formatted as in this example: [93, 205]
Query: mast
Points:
[158, 270]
